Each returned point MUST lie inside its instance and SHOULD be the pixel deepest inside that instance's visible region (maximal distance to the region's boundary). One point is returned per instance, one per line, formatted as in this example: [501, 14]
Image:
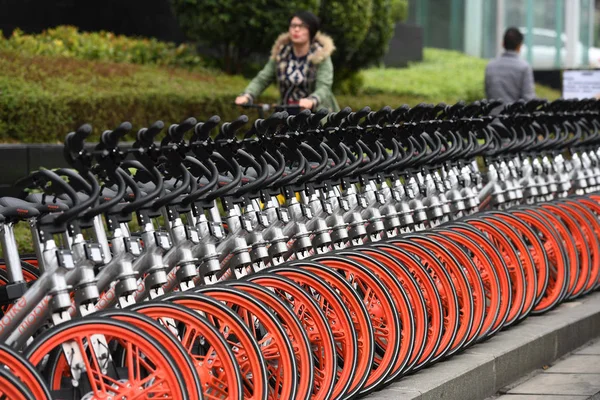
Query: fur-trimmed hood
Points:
[321, 47]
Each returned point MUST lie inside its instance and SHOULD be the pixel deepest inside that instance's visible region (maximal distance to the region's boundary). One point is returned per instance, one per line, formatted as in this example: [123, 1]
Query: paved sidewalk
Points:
[574, 377]
[509, 356]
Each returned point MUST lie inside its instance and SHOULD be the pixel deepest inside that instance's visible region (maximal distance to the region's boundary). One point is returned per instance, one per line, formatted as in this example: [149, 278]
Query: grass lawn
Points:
[443, 76]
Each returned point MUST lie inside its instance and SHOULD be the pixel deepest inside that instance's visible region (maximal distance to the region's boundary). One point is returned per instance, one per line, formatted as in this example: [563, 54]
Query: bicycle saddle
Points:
[13, 202]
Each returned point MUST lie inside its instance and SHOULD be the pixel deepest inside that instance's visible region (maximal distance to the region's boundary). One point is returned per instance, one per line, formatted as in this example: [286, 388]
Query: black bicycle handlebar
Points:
[202, 129]
[74, 140]
[147, 135]
[228, 129]
[177, 131]
[111, 138]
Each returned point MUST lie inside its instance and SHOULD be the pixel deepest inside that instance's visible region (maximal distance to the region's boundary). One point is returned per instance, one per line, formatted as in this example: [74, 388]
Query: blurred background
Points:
[558, 33]
[66, 62]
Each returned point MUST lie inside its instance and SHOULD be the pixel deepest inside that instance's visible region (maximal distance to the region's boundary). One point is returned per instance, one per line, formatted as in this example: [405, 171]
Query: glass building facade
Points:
[559, 32]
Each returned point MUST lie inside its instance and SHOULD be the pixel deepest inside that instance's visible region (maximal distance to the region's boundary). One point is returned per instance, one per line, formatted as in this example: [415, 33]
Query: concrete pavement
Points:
[574, 377]
[485, 368]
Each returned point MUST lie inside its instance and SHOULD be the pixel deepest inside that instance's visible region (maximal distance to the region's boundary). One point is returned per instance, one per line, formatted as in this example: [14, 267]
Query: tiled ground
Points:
[576, 377]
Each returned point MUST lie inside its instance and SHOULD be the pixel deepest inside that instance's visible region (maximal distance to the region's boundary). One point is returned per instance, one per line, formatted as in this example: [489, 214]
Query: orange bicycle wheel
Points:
[364, 280]
[406, 266]
[315, 323]
[475, 284]
[513, 278]
[360, 320]
[535, 249]
[25, 371]
[523, 273]
[446, 290]
[270, 335]
[491, 266]
[12, 388]
[296, 334]
[148, 369]
[586, 243]
[583, 205]
[245, 348]
[558, 278]
[569, 250]
[170, 343]
[338, 317]
[215, 362]
[460, 284]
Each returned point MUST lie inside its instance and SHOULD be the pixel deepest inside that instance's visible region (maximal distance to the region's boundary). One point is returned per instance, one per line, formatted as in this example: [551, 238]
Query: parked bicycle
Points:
[309, 256]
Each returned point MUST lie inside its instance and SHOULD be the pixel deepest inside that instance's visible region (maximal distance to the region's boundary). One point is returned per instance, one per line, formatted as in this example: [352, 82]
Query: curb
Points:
[483, 369]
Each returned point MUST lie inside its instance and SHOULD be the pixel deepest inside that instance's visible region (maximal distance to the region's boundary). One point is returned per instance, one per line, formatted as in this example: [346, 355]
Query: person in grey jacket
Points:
[509, 78]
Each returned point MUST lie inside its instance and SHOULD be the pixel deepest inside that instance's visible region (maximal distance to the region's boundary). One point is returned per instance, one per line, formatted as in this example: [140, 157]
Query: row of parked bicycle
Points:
[311, 256]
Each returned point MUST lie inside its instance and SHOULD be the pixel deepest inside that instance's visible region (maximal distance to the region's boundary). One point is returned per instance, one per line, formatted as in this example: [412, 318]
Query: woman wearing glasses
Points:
[300, 62]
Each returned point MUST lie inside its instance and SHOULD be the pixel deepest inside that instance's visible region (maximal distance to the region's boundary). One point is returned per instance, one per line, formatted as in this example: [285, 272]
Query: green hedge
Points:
[67, 41]
[44, 97]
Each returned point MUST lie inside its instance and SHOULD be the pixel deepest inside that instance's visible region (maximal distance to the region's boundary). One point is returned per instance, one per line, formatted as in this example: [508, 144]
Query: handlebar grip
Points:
[494, 103]
[111, 138]
[399, 112]
[454, 109]
[417, 112]
[177, 131]
[74, 140]
[354, 118]
[228, 129]
[471, 109]
[440, 107]
[203, 129]
[363, 112]
[336, 118]
[315, 119]
[375, 117]
[533, 105]
[147, 134]
[295, 121]
[262, 125]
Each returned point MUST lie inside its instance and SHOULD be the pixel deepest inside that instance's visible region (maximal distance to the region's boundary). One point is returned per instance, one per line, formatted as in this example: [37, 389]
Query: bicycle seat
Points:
[13, 202]
[250, 172]
[67, 200]
[224, 179]
[108, 194]
[52, 203]
[18, 213]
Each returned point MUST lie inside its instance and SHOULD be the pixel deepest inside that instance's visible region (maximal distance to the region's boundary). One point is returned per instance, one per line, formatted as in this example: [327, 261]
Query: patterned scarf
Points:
[296, 75]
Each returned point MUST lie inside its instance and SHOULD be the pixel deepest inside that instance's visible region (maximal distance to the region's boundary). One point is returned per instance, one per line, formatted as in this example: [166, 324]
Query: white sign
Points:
[581, 84]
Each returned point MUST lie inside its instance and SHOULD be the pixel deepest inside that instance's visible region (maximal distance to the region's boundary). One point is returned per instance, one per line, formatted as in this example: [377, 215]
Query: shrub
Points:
[236, 29]
[399, 10]
[362, 31]
[44, 97]
[380, 32]
[69, 42]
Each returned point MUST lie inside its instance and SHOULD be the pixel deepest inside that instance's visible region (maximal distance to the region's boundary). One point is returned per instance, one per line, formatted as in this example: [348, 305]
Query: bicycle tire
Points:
[219, 373]
[315, 323]
[245, 348]
[338, 317]
[269, 333]
[164, 366]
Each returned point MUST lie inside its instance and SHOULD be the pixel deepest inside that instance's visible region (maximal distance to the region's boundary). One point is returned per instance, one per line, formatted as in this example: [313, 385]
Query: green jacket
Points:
[320, 70]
